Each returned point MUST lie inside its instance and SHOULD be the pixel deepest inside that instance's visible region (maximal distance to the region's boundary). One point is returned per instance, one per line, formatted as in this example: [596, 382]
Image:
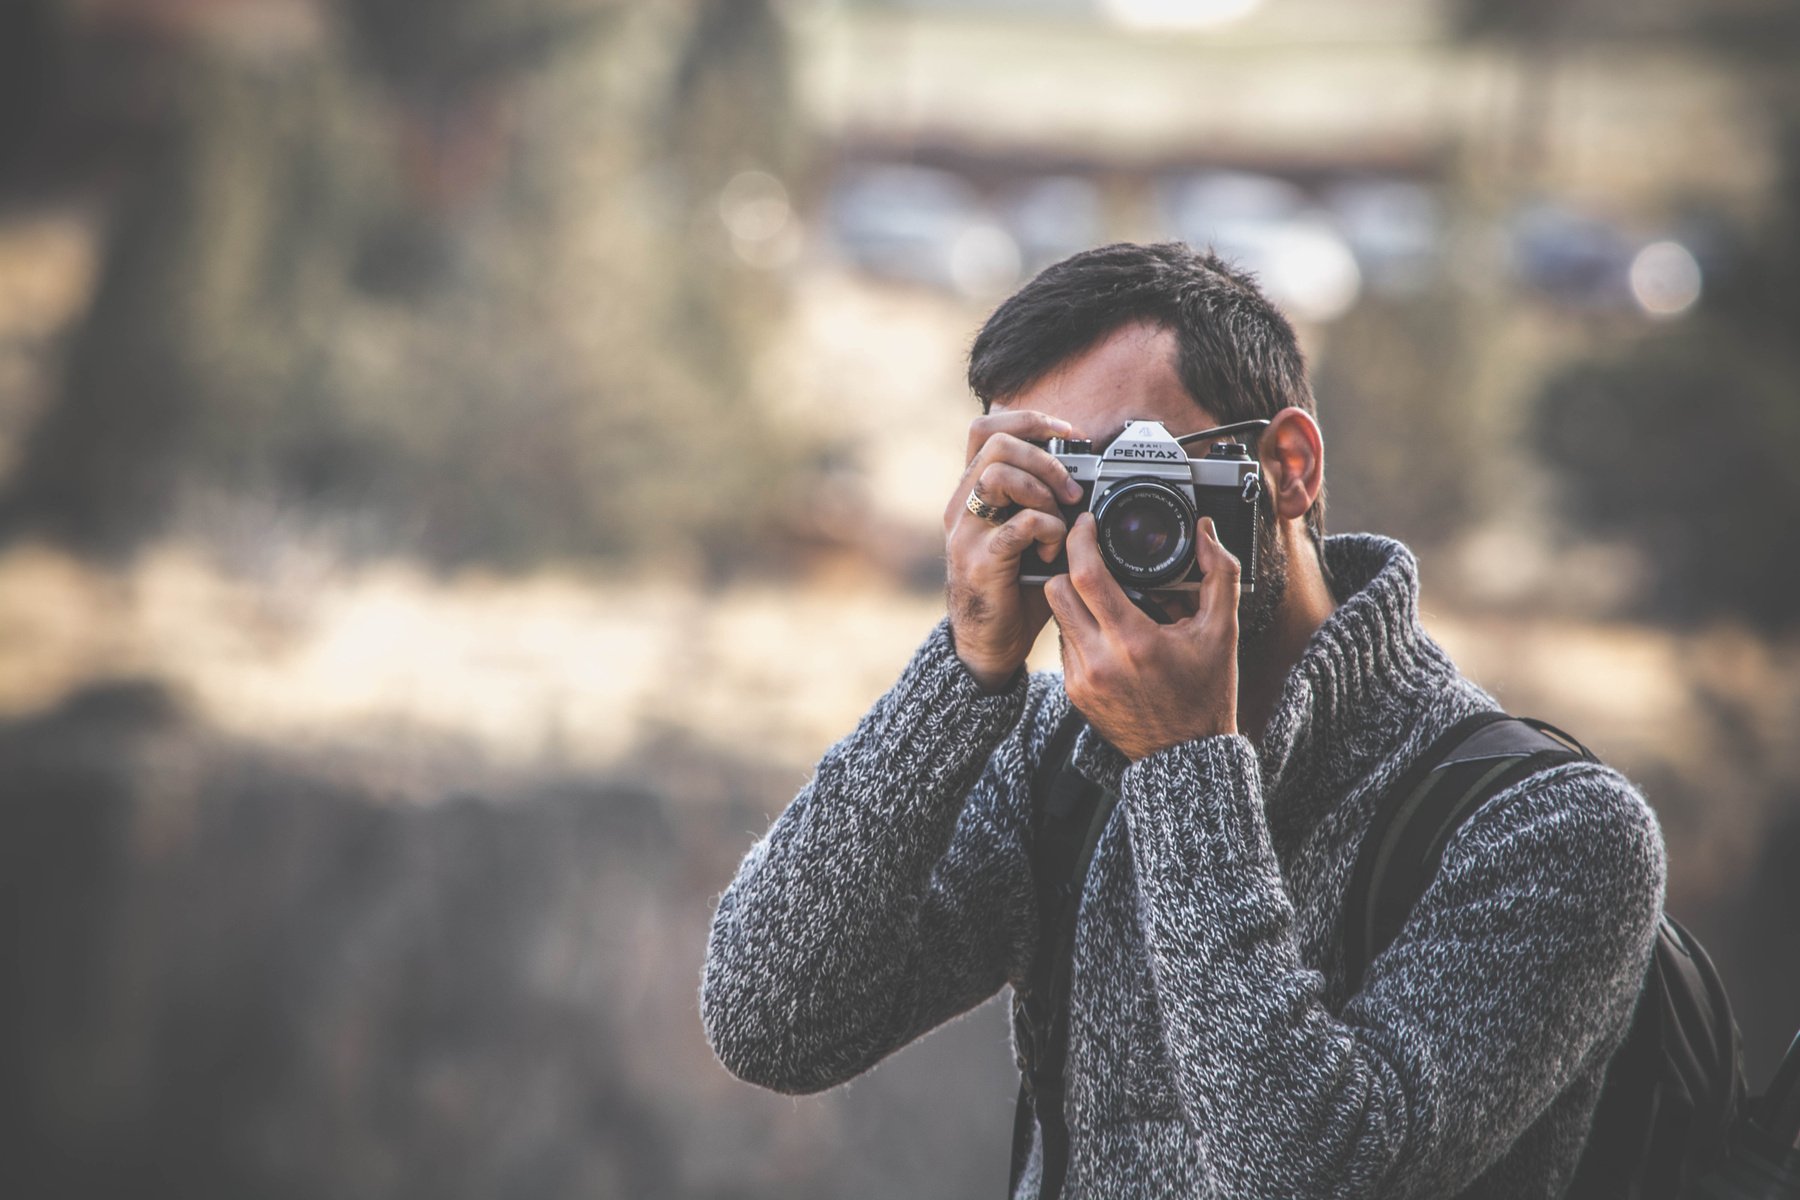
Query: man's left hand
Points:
[1145, 686]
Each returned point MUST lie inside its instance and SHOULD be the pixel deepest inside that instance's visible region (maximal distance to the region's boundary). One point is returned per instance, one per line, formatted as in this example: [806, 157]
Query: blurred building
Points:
[1297, 134]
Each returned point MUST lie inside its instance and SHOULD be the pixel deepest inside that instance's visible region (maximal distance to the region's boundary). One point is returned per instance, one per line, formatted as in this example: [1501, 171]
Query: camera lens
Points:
[1146, 532]
[1143, 532]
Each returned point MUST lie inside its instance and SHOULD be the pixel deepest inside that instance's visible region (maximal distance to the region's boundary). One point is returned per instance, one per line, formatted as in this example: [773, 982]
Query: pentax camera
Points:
[1147, 495]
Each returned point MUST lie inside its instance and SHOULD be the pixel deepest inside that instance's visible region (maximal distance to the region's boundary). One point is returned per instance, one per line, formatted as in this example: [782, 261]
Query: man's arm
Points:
[1521, 961]
[1523, 956]
[880, 904]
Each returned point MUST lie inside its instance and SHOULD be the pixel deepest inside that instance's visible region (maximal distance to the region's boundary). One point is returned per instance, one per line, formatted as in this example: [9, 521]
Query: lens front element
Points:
[1146, 532]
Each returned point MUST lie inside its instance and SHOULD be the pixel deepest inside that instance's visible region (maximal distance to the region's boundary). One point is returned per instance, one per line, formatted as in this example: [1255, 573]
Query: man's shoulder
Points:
[1583, 824]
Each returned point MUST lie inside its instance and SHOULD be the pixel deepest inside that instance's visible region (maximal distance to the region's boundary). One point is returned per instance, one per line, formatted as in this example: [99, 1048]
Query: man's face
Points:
[1130, 376]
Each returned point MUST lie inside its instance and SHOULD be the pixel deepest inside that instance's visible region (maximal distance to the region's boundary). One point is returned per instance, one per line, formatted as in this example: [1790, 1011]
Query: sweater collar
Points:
[1360, 679]
[1349, 697]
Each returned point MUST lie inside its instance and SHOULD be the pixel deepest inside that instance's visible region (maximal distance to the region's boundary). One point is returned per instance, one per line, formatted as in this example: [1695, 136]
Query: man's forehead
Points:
[1130, 374]
[1102, 430]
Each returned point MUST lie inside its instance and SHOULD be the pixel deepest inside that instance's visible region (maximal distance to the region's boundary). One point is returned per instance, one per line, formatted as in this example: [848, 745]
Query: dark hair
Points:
[1237, 355]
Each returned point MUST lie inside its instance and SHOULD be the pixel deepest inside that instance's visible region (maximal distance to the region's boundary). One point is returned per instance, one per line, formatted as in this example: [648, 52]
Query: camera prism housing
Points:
[1147, 495]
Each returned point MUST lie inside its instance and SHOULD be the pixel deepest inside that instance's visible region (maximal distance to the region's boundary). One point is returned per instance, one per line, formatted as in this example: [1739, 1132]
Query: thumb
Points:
[1222, 574]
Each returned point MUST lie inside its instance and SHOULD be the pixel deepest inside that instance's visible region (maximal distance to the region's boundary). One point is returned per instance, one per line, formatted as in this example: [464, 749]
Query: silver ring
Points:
[992, 514]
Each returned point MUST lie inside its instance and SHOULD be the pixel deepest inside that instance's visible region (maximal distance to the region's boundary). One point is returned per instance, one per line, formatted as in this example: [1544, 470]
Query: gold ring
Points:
[992, 514]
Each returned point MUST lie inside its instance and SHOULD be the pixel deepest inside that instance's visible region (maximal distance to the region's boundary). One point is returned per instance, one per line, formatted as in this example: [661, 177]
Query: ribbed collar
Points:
[1361, 680]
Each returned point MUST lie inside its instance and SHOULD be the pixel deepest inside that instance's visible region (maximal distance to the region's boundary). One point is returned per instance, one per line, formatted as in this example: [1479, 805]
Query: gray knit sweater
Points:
[1213, 1051]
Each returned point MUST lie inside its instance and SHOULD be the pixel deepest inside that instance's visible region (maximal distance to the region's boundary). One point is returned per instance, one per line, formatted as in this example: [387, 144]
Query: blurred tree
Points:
[1387, 383]
[1683, 441]
[30, 38]
[447, 279]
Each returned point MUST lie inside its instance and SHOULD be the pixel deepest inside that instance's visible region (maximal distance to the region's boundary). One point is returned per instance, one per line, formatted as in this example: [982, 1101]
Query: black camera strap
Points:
[1069, 812]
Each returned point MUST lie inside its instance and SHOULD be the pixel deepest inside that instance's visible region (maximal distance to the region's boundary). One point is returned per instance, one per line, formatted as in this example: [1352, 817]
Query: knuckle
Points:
[1009, 539]
[1010, 446]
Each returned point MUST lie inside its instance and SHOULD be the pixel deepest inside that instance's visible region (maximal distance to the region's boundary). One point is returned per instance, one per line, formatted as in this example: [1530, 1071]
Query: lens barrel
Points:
[1146, 532]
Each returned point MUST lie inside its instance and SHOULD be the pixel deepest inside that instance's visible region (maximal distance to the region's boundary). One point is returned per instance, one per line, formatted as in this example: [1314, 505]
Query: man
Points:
[1212, 1048]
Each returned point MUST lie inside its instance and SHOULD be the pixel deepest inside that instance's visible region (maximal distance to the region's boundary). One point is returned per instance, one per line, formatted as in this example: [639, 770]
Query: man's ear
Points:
[1293, 460]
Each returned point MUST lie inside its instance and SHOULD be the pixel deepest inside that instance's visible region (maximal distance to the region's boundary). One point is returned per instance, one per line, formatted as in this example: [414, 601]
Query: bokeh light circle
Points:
[1665, 279]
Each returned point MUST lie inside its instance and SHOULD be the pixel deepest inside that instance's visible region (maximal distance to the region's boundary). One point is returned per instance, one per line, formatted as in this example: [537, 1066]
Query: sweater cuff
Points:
[937, 719]
[1201, 801]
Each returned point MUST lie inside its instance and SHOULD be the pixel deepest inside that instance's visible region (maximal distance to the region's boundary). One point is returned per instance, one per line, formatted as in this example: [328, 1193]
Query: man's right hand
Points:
[993, 619]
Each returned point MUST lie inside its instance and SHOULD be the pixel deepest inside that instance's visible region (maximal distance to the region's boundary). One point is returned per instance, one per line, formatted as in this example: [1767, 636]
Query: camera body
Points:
[1147, 495]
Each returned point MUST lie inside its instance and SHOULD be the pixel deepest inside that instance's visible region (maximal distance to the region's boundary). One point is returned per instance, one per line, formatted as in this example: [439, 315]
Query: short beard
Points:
[1258, 609]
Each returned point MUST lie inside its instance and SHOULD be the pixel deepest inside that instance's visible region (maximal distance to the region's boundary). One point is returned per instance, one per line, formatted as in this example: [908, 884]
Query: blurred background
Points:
[462, 460]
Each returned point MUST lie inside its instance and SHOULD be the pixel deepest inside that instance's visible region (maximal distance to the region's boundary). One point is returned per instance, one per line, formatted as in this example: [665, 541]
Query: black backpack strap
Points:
[1069, 813]
[1472, 761]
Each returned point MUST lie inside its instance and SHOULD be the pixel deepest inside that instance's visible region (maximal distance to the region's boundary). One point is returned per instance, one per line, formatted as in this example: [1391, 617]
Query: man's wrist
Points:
[1137, 751]
[991, 677]
[991, 680]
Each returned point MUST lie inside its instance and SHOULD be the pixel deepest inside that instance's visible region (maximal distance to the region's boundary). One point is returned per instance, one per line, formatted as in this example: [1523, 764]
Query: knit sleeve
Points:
[891, 895]
[1516, 972]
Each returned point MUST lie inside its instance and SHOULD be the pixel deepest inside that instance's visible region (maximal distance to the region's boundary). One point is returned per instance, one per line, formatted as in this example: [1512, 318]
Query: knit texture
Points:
[1212, 1049]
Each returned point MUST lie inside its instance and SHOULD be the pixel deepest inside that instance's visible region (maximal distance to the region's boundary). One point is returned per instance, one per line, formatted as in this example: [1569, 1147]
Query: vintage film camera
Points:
[1146, 495]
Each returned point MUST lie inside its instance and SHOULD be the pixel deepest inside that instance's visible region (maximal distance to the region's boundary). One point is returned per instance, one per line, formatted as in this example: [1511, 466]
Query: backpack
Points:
[1675, 1089]
[1671, 1107]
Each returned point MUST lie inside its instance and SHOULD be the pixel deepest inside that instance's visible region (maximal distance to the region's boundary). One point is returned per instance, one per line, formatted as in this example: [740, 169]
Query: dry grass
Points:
[553, 670]
[566, 671]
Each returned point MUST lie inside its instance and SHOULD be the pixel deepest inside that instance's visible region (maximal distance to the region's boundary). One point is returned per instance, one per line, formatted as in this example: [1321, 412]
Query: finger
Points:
[1071, 613]
[1037, 609]
[1222, 575]
[1007, 543]
[1035, 460]
[1022, 423]
[995, 550]
[1009, 450]
[1112, 609]
[1002, 483]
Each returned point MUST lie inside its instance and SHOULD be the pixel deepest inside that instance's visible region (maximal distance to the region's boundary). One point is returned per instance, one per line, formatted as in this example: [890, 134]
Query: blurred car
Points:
[1586, 261]
[921, 225]
[1052, 217]
[1572, 257]
[1395, 228]
[1271, 228]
